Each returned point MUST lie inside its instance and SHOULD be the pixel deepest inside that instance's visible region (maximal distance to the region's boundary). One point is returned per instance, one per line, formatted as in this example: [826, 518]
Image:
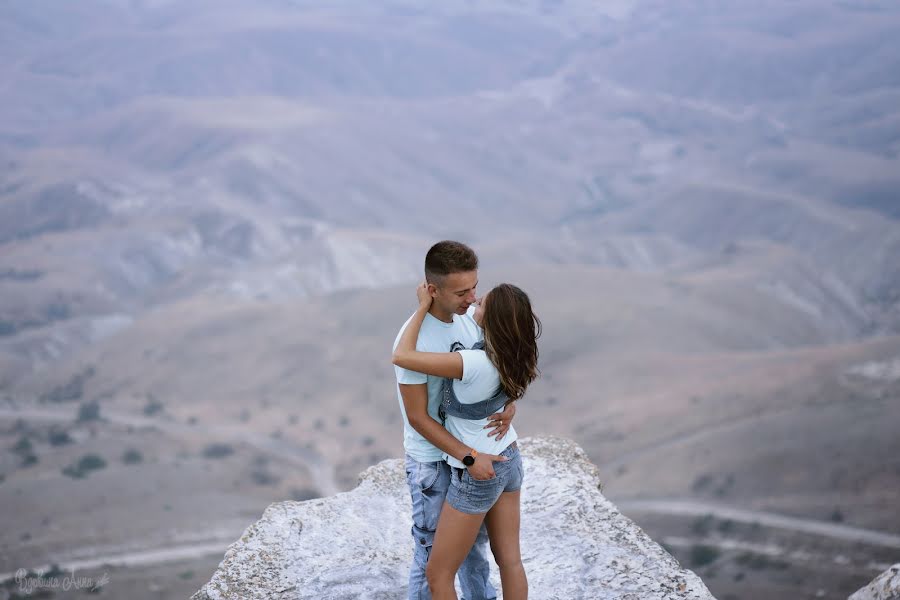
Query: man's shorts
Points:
[473, 496]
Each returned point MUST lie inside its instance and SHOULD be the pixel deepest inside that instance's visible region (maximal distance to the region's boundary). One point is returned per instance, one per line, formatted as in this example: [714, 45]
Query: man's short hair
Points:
[448, 257]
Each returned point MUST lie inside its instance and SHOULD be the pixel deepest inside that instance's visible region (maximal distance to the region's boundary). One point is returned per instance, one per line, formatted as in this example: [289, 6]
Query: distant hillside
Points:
[212, 214]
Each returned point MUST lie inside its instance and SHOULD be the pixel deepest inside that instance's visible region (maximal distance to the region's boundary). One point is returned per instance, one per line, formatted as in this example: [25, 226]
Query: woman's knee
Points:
[436, 575]
[509, 565]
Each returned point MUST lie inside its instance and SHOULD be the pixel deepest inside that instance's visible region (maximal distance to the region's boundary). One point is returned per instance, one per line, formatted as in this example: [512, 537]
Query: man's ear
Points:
[432, 289]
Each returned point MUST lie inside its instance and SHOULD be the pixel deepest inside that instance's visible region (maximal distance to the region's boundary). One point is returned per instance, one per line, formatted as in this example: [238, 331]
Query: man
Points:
[451, 273]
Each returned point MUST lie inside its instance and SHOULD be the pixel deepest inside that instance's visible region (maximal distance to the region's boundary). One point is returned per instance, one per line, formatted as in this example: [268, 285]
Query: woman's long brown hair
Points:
[511, 330]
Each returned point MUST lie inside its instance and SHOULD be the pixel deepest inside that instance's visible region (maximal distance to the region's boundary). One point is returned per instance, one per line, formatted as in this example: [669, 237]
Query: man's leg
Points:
[428, 484]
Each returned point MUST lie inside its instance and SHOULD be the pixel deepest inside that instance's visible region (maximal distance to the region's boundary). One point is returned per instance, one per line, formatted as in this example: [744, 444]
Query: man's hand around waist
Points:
[484, 466]
[499, 423]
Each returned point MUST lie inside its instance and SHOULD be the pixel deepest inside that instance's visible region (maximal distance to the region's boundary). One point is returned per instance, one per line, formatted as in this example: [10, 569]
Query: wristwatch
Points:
[469, 459]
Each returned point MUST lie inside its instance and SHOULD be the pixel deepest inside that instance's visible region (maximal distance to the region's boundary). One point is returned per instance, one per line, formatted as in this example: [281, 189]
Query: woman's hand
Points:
[424, 295]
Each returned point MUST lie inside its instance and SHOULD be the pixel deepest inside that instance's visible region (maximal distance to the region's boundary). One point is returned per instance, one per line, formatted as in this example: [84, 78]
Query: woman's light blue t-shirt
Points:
[479, 382]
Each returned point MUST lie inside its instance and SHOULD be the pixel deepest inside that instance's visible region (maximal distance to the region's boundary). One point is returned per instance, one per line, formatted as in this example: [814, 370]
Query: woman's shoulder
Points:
[476, 361]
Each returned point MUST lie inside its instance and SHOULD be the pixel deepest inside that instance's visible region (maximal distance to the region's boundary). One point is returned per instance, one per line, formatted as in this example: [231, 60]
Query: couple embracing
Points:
[461, 363]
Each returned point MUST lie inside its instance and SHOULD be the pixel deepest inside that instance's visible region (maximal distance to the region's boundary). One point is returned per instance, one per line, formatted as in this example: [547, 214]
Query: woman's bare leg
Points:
[502, 523]
[456, 532]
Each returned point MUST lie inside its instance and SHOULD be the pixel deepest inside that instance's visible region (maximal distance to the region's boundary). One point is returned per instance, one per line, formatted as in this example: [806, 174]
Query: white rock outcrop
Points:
[575, 543]
[884, 587]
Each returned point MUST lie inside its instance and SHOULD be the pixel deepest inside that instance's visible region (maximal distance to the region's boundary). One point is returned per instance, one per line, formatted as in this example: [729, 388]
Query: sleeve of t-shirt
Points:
[405, 376]
[473, 365]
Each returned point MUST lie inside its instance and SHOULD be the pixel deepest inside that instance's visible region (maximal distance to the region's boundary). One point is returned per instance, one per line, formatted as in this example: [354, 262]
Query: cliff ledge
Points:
[575, 543]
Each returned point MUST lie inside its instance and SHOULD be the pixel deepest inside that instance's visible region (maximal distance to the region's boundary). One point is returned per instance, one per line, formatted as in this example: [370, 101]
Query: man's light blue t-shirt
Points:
[434, 336]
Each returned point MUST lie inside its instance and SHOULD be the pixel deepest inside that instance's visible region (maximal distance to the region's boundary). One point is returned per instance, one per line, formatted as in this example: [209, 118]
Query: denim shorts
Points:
[473, 496]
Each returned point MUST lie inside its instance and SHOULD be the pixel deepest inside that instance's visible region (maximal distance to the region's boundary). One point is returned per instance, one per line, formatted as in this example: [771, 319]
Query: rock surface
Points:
[575, 543]
[884, 587]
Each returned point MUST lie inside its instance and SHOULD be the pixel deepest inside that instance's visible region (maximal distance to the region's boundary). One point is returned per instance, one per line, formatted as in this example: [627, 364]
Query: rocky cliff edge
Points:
[575, 543]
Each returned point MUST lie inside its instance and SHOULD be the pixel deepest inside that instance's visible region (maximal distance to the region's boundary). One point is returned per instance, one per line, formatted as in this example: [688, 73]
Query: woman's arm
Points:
[439, 364]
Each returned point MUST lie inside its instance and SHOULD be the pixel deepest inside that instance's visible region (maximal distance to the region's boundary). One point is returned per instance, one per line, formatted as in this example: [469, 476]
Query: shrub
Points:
[153, 407]
[702, 482]
[701, 555]
[71, 390]
[132, 457]
[218, 450]
[86, 464]
[91, 462]
[263, 477]
[301, 494]
[23, 446]
[759, 561]
[59, 437]
[89, 411]
[702, 525]
[7, 328]
[71, 471]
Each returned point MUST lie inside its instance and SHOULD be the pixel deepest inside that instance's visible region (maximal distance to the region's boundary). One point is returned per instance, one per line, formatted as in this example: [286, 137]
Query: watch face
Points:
[468, 460]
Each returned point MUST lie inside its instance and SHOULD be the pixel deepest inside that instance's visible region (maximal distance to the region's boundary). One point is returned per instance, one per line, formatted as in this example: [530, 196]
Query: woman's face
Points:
[478, 315]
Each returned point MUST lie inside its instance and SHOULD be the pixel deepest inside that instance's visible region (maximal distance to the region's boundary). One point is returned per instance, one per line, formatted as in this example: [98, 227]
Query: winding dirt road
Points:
[698, 509]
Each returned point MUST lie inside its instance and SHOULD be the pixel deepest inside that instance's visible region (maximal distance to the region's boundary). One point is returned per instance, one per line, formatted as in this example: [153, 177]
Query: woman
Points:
[476, 381]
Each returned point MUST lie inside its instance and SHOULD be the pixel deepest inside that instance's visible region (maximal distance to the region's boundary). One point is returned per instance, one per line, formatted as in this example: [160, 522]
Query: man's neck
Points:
[440, 315]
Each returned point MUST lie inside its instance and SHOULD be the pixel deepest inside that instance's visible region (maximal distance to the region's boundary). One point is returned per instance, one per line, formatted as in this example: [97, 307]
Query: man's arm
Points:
[415, 403]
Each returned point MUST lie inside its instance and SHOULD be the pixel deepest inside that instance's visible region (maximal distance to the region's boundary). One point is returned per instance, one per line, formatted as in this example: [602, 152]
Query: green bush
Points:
[153, 407]
[91, 462]
[301, 494]
[701, 555]
[758, 562]
[726, 526]
[264, 477]
[218, 450]
[59, 437]
[23, 446]
[702, 525]
[71, 471]
[132, 457]
[71, 390]
[89, 411]
[86, 464]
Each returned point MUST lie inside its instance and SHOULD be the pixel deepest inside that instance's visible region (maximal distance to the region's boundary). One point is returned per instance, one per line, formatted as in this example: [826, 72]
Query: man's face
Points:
[456, 292]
